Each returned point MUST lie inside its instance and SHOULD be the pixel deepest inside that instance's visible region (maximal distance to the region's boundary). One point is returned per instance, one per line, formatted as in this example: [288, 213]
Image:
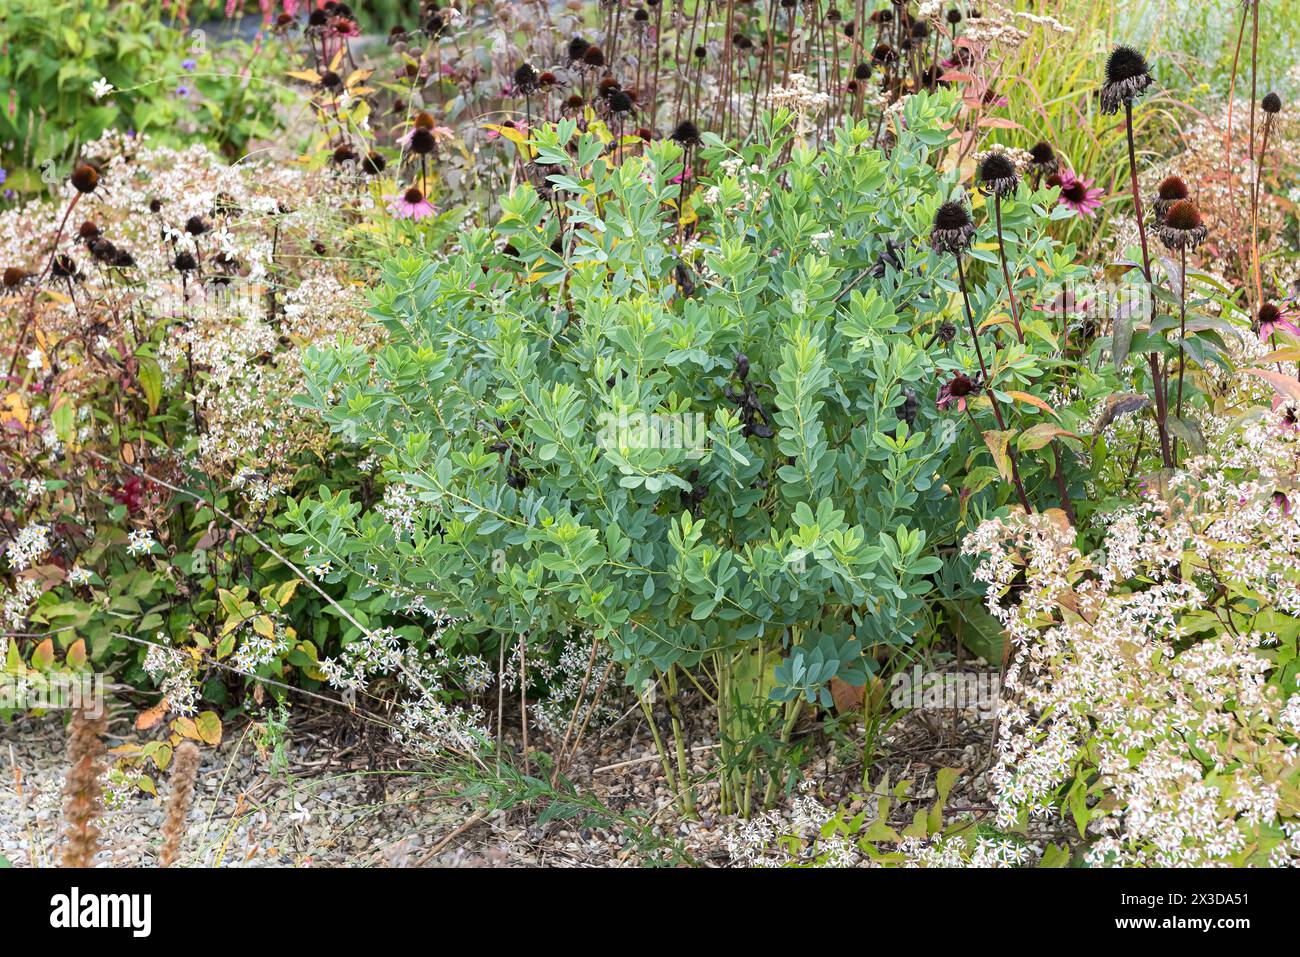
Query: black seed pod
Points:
[953, 229]
[85, 178]
[1042, 158]
[577, 47]
[997, 175]
[687, 134]
[1127, 78]
[422, 142]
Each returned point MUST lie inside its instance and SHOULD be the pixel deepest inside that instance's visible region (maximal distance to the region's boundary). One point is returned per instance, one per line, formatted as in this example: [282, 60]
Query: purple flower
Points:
[1077, 193]
[188, 65]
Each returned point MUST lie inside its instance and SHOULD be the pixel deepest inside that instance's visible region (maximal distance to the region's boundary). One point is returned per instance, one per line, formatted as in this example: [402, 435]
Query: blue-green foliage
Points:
[510, 394]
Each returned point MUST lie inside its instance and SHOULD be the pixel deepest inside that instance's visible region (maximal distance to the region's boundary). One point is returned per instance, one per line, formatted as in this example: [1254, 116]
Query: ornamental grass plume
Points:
[82, 792]
[184, 773]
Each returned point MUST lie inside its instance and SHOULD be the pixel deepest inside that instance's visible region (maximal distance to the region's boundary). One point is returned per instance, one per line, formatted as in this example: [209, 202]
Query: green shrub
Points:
[728, 463]
[168, 80]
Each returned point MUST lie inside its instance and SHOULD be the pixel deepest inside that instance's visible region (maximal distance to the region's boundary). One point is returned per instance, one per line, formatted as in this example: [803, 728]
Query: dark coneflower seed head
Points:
[953, 229]
[1183, 215]
[85, 178]
[1182, 227]
[1171, 190]
[594, 57]
[884, 53]
[373, 164]
[620, 102]
[833, 15]
[577, 47]
[1127, 78]
[645, 134]
[686, 135]
[525, 79]
[642, 15]
[886, 16]
[413, 196]
[1043, 157]
[1268, 316]
[920, 30]
[423, 121]
[185, 262]
[862, 71]
[997, 175]
[63, 267]
[343, 154]
[102, 251]
[574, 102]
[318, 18]
[330, 80]
[954, 16]
[422, 141]
[195, 226]
[608, 86]
[1272, 104]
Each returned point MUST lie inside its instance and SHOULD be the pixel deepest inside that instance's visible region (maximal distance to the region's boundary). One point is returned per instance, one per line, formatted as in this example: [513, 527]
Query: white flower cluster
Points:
[173, 672]
[256, 649]
[801, 96]
[1127, 665]
[427, 721]
[28, 545]
[236, 320]
[979, 852]
[564, 678]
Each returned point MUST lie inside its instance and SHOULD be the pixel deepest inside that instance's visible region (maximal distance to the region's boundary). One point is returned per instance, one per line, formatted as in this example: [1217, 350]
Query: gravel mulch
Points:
[338, 793]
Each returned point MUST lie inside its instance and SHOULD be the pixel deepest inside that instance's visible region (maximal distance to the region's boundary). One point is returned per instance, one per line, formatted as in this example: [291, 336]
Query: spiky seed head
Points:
[686, 134]
[997, 175]
[85, 178]
[1127, 78]
[1042, 155]
[953, 229]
